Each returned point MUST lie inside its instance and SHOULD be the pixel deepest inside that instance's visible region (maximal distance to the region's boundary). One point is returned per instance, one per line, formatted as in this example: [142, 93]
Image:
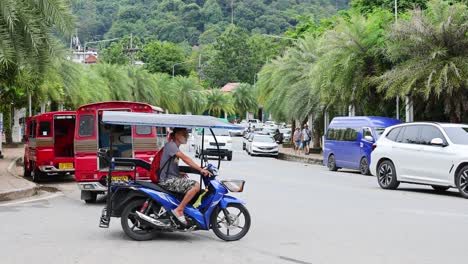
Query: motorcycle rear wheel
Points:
[222, 228]
[132, 226]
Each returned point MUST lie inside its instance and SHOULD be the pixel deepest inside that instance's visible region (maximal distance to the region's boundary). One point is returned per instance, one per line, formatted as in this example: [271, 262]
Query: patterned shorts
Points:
[178, 184]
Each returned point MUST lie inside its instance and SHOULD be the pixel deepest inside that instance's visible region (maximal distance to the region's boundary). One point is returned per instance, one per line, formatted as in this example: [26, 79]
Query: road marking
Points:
[422, 212]
[52, 195]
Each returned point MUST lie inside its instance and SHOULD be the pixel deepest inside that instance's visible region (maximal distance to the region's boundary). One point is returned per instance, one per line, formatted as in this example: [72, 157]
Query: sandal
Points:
[180, 218]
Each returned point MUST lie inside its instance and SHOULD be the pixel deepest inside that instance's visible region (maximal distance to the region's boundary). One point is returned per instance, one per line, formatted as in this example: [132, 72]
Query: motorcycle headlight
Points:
[234, 185]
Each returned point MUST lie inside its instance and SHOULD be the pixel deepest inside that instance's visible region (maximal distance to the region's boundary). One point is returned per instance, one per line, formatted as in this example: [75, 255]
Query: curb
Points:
[18, 193]
[308, 160]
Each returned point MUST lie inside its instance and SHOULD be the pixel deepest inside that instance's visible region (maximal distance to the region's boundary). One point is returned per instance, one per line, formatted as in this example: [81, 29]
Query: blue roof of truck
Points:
[360, 121]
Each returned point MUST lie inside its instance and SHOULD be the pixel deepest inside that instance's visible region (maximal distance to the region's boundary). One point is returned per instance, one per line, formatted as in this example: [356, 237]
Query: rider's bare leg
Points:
[187, 198]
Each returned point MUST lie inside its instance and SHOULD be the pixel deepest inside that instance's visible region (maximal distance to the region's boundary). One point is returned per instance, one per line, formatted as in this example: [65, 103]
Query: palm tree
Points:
[219, 102]
[285, 84]
[351, 53]
[245, 99]
[117, 79]
[26, 34]
[430, 50]
[164, 94]
[189, 95]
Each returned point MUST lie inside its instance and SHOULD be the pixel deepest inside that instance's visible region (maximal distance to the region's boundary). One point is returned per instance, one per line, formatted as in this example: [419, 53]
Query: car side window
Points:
[393, 134]
[428, 133]
[411, 135]
[366, 132]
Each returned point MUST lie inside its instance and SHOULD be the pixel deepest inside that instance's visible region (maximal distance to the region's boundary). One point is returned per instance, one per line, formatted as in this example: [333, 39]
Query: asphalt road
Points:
[300, 214]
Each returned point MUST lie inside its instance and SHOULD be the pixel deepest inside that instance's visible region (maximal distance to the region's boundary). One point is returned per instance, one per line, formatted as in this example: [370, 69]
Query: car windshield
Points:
[379, 131]
[269, 130]
[458, 135]
[263, 139]
[285, 131]
[217, 132]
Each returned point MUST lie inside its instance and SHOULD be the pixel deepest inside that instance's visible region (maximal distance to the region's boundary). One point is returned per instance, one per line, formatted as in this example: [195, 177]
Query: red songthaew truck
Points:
[49, 145]
[130, 142]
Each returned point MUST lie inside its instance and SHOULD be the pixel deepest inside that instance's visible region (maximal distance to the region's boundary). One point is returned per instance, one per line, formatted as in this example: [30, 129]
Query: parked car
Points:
[262, 145]
[237, 132]
[286, 134]
[209, 146]
[423, 153]
[269, 130]
[348, 141]
[246, 140]
[256, 123]
[270, 124]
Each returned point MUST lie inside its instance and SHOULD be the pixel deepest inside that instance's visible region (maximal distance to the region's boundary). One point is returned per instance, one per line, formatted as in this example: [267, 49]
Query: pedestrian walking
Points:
[297, 137]
[306, 137]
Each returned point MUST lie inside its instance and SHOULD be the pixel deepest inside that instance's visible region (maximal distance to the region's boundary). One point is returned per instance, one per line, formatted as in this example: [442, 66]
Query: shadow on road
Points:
[430, 191]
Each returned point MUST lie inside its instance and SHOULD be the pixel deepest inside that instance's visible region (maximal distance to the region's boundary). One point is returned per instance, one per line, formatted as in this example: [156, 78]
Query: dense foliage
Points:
[365, 60]
[194, 21]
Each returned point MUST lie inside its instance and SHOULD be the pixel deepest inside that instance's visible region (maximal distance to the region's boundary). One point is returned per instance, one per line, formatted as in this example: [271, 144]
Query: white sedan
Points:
[422, 153]
[262, 145]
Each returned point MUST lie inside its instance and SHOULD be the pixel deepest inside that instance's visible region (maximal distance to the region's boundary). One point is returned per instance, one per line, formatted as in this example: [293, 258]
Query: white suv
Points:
[422, 153]
[209, 145]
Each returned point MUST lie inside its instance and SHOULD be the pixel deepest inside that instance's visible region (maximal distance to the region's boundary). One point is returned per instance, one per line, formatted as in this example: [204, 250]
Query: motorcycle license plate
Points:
[119, 178]
[65, 166]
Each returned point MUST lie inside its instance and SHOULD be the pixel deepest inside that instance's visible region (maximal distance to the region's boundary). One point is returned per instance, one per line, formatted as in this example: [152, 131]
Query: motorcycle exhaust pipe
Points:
[152, 221]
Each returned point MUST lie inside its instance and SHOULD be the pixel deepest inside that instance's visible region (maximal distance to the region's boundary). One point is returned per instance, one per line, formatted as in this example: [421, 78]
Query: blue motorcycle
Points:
[145, 208]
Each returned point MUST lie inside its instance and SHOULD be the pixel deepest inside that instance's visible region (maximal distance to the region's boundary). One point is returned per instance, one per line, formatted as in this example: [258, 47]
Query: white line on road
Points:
[30, 200]
[423, 212]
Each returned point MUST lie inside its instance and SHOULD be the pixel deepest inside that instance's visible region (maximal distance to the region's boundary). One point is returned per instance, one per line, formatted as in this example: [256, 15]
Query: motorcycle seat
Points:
[159, 188]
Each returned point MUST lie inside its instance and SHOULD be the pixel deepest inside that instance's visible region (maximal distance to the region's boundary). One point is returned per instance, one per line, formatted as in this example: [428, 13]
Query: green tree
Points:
[189, 95]
[219, 102]
[26, 38]
[368, 6]
[232, 61]
[351, 54]
[245, 99]
[161, 56]
[430, 50]
[114, 54]
[212, 12]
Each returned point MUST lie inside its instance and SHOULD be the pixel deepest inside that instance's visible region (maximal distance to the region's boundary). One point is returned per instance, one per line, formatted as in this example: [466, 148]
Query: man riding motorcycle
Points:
[171, 178]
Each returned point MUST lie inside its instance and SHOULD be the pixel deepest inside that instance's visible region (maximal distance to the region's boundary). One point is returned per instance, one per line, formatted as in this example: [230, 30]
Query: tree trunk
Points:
[7, 124]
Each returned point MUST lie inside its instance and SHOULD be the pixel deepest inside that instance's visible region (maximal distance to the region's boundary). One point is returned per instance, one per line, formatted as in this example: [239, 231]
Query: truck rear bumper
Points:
[92, 186]
[51, 170]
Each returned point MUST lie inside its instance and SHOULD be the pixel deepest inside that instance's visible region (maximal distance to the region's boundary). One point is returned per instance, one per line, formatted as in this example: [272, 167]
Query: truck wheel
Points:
[229, 157]
[36, 175]
[27, 172]
[89, 197]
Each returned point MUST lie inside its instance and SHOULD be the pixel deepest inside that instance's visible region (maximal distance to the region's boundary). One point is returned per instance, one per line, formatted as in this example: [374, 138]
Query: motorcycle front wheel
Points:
[231, 223]
[132, 226]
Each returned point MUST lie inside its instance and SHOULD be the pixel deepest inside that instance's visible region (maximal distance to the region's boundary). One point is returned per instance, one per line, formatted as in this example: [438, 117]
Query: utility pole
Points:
[232, 12]
[398, 97]
[199, 68]
[132, 50]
